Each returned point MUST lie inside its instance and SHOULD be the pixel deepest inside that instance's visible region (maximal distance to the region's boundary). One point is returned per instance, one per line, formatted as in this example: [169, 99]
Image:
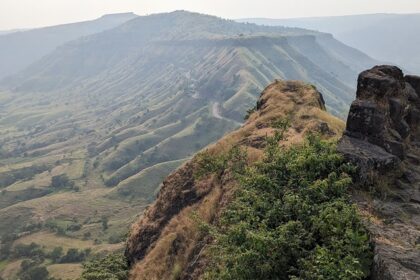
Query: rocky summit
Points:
[382, 138]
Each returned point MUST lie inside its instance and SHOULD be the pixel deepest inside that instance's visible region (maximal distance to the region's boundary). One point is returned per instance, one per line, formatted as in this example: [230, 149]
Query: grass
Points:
[65, 271]
[11, 269]
[71, 131]
[50, 240]
[3, 264]
[145, 184]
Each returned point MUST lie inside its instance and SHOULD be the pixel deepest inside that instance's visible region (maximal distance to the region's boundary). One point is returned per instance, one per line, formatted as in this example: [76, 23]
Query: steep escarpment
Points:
[167, 242]
[381, 141]
[382, 138]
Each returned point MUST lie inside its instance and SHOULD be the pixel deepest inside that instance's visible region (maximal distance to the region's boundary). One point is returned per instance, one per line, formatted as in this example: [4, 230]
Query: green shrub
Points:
[291, 218]
[112, 267]
[74, 255]
[207, 163]
[32, 270]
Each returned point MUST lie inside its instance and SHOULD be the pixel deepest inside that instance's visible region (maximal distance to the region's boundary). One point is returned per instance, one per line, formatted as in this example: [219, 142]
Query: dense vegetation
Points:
[290, 218]
[112, 267]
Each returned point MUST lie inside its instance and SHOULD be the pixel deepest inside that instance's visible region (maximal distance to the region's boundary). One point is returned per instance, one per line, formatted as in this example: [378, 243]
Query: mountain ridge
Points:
[20, 49]
[180, 234]
[163, 230]
[112, 114]
[386, 37]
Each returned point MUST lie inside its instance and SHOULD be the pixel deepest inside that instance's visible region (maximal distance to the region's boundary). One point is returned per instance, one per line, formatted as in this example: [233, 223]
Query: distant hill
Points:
[386, 37]
[119, 110]
[20, 49]
[4, 32]
[186, 44]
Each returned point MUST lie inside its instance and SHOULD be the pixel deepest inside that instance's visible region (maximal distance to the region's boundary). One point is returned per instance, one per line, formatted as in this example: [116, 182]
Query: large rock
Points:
[382, 140]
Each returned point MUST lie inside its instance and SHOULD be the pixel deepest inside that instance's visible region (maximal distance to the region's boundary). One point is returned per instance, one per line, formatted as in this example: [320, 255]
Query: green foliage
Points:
[62, 181]
[207, 163]
[56, 254]
[104, 222]
[116, 238]
[250, 112]
[26, 173]
[32, 270]
[291, 219]
[112, 267]
[28, 250]
[74, 256]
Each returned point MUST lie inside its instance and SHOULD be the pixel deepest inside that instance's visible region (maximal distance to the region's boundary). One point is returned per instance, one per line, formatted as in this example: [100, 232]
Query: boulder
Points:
[382, 139]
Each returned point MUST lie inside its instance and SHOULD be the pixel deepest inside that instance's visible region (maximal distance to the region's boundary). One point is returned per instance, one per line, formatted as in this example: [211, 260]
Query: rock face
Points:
[382, 138]
[166, 243]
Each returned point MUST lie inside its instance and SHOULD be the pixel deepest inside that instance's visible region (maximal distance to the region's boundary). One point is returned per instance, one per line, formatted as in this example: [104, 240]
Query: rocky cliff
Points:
[382, 138]
[166, 242]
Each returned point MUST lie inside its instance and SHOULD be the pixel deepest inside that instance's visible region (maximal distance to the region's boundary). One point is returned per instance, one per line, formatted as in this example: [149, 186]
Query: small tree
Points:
[56, 254]
[61, 182]
[104, 221]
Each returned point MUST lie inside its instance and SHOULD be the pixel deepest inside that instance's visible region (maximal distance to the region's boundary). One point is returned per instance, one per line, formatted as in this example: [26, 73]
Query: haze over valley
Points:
[389, 37]
[95, 115]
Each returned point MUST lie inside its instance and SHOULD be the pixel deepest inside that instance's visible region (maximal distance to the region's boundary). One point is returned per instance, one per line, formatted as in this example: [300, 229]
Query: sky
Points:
[36, 13]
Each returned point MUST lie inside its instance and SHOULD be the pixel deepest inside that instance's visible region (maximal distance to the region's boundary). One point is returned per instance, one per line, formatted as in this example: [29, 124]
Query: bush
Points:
[112, 267]
[291, 219]
[56, 254]
[28, 251]
[116, 238]
[74, 256]
[62, 181]
[32, 270]
[35, 273]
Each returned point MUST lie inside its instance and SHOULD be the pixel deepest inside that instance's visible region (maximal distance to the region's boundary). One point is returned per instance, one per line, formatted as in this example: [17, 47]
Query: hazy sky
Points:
[35, 13]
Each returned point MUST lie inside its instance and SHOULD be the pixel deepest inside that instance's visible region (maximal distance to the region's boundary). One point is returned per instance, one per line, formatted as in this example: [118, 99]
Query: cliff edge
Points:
[382, 138]
[166, 241]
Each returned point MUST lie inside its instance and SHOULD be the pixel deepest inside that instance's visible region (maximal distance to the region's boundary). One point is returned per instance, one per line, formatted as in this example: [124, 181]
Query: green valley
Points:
[89, 131]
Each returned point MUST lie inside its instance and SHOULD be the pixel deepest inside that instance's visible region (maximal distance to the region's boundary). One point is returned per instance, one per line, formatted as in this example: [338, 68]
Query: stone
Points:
[382, 139]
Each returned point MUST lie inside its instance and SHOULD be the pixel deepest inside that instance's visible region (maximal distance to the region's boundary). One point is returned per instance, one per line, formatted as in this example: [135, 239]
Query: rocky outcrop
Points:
[382, 138]
[166, 242]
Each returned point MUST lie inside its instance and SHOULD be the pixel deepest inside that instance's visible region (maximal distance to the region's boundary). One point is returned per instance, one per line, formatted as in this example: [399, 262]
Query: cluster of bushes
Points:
[74, 256]
[112, 267]
[62, 182]
[290, 218]
[25, 173]
[33, 270]
[36, 252]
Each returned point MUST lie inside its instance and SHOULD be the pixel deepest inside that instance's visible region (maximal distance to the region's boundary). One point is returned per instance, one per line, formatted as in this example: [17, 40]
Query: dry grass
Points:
[65, 271]
[50, 240]
[10, 270]
[180, 239]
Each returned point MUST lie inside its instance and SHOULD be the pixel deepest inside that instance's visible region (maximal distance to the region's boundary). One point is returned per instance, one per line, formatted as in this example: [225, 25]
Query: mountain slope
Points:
[223, 216]
[114, 60]
[19, 49]
[167, 239]
[386, 37]
[106, 117]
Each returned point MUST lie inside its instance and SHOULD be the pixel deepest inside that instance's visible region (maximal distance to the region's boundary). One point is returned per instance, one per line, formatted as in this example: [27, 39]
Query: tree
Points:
[35, 273]
[31, 270]
[104, 221]
[56, 254]
[112, 267]
[61, 181]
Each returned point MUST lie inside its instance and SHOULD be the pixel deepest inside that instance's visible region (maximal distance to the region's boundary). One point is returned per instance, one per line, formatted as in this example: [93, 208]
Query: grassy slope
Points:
[125, 120]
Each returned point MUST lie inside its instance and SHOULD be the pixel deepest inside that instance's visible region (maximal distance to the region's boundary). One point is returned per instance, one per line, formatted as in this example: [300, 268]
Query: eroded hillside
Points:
[167, 238]
[264, 203]
[90, 131]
